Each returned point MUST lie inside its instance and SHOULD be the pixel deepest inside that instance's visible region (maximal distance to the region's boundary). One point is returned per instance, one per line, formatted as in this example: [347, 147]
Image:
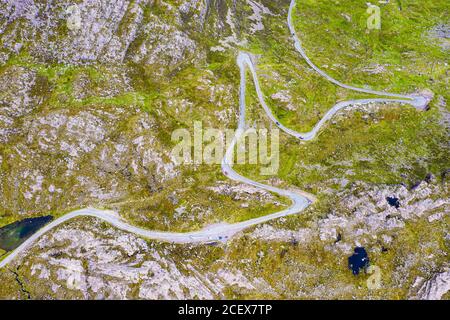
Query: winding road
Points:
[223, 232]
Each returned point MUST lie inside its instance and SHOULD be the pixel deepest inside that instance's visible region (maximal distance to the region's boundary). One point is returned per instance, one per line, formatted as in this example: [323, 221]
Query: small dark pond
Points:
[359, 260]
[393, 202]
[14, 234]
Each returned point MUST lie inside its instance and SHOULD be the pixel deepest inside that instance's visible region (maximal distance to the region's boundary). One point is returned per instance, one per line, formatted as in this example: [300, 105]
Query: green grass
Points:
[402, 46]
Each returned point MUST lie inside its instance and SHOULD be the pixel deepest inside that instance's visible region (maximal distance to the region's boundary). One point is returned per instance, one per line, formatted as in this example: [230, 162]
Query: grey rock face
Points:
[364, 214]
[371, 212]
[102, 36]
[76, 261]
[77, 155]
[100, 31]
[436, 287]
[16, 98]
[163, 44]
[105, 32]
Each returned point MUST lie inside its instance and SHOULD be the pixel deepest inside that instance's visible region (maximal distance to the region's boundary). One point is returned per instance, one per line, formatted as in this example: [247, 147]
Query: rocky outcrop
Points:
[269, 233]
[100, 36]
[155, 33]
[364, 214]
[367, 211]
[92, 31]
[441, 34]
[16, 98]
[242, 192]
[163, 45]
[436, 287]
[78, 156]
[80, 261]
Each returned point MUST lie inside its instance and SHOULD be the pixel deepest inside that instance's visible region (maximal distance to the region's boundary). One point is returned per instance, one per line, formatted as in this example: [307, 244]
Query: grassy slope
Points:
[415, 141]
